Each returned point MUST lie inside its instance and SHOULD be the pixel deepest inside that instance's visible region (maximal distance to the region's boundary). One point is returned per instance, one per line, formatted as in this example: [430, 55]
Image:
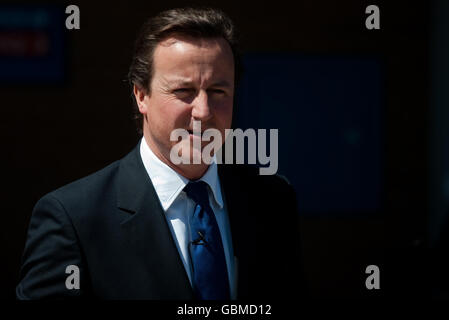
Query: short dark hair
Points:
[194, 22]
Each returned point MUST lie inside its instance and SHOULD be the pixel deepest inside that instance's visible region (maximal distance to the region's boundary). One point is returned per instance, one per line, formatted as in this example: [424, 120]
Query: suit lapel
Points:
[236, 195]
[147, 232]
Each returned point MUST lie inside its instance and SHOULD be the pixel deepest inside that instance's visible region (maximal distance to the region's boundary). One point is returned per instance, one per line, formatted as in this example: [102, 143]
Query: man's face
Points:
[193, 79]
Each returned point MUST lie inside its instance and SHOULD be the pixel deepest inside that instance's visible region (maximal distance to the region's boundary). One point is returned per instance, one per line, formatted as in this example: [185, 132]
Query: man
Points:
[146, 228]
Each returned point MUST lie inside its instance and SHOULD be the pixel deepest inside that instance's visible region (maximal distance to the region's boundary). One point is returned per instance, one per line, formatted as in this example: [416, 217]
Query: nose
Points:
[201, 109]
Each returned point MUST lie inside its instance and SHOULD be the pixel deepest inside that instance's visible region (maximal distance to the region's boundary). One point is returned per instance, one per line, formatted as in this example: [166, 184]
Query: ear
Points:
[141, 99]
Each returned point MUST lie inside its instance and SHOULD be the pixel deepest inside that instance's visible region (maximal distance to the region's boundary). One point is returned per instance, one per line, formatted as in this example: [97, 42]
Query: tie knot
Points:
[197, 191]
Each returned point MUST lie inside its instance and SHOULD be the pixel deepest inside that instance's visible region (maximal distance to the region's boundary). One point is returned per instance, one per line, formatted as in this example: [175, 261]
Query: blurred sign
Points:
[31, 44]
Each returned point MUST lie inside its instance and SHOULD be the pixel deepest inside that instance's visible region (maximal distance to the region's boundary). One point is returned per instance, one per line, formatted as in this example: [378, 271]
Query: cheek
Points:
[166, 112]
[223, 115]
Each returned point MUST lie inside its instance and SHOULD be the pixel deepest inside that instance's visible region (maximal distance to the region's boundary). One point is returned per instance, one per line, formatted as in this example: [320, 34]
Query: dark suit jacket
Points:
[111, 225]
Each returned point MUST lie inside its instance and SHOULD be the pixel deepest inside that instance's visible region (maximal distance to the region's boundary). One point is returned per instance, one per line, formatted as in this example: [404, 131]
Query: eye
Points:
[182, 90]
[218, 91]
[183, 93]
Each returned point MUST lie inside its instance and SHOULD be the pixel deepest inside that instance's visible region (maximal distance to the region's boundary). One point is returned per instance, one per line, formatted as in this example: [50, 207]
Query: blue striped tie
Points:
[210, 276]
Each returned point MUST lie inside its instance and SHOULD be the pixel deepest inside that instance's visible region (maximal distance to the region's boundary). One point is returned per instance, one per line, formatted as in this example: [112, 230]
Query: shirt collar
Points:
[169, 184]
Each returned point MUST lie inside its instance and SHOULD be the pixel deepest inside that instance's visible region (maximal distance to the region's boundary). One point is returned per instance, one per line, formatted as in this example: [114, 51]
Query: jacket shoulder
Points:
[250, 177]
[88, 183]
[82, 196]
[253, 172]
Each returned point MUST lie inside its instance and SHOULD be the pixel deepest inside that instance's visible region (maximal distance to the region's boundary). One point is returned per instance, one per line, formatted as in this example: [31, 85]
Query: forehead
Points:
[187, 56]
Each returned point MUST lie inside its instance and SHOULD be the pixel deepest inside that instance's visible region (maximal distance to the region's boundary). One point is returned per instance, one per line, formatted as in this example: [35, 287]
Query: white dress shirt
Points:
[179, 208]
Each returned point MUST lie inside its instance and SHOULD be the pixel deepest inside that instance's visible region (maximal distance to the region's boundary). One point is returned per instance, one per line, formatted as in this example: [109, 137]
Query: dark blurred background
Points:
[362, 117]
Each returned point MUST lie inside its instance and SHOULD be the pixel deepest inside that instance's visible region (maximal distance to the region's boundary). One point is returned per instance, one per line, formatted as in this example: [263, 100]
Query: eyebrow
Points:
[222, 83]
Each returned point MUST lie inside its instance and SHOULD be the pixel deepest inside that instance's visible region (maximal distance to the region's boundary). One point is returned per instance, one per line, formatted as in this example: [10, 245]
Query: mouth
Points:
[197, 133]
[194, 135]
